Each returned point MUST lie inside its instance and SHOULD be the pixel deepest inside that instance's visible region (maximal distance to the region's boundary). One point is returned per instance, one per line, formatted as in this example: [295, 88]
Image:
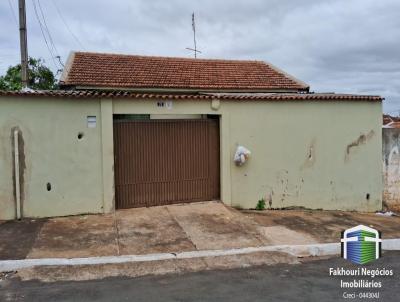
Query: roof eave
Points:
[185, 90]
[302, 84]
[67, 68]
[236, 97]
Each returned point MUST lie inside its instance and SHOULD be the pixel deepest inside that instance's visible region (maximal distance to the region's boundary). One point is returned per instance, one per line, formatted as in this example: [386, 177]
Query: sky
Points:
[343, 46]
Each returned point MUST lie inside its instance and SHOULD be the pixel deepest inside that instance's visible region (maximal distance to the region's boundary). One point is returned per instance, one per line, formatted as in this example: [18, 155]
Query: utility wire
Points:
[47, 29]
[43, 34]
[13, 12]
[57, 54]
[67, 26]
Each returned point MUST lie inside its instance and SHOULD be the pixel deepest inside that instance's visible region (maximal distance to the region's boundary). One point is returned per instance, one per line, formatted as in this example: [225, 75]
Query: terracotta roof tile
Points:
[392, 125]
[129, 71]
[95, 94]
[389, 119]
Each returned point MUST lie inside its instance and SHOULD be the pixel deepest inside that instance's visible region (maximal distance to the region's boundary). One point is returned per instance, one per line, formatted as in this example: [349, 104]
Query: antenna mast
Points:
[195, 51]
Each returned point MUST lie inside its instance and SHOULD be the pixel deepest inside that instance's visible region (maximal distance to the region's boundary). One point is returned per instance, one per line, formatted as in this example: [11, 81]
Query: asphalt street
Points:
[309, 281]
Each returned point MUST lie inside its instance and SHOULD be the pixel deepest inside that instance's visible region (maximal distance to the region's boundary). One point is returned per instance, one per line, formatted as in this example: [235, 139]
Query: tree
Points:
[40, 77]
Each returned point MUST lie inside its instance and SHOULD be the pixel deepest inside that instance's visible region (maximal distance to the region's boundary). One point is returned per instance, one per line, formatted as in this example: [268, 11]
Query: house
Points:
[131, 131]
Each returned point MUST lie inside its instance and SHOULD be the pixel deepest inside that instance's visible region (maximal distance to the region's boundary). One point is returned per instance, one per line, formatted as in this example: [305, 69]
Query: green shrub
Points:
[260, 204]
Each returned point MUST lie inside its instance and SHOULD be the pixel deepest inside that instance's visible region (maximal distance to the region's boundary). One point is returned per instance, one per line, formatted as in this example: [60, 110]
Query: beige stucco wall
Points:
[315, 154]
[52, 154]
[312, 154]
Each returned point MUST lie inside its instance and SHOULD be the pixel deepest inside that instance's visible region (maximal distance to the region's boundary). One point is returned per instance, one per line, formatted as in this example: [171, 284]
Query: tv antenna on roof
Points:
[195, 51]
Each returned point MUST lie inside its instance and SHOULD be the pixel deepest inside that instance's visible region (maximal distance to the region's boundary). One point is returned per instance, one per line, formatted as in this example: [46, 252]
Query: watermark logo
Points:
[361, 244]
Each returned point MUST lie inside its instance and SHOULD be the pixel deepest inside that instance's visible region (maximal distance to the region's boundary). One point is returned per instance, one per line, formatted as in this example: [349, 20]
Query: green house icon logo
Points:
[361, 244]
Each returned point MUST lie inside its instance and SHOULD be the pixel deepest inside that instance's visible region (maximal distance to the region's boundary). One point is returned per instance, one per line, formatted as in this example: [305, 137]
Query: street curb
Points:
[319, 249]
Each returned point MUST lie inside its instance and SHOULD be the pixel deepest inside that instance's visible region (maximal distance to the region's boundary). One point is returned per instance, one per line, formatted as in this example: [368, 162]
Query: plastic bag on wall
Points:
[242, 154]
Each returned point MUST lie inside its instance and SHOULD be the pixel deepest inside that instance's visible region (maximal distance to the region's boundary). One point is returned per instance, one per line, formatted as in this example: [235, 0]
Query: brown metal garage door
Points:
[160, 162]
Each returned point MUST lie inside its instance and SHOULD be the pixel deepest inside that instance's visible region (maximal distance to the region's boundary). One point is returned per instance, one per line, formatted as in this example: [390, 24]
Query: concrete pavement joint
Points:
[322, 249]
[182, 228]
[116, 231]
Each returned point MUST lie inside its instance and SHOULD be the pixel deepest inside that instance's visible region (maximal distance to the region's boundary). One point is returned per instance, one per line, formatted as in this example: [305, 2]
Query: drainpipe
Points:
[16, 169]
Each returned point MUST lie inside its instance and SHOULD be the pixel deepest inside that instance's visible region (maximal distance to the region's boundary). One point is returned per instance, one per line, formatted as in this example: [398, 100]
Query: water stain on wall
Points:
[22, 164]
[391, 168]
[361, 140]
[310, 155]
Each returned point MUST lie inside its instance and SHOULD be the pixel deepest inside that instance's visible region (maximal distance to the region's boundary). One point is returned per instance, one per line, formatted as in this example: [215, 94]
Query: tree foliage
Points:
[40, 77]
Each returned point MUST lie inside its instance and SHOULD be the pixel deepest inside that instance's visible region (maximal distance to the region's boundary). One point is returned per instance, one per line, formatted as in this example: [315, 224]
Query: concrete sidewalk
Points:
[176, 230]
[165, 229]
[322, 226]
